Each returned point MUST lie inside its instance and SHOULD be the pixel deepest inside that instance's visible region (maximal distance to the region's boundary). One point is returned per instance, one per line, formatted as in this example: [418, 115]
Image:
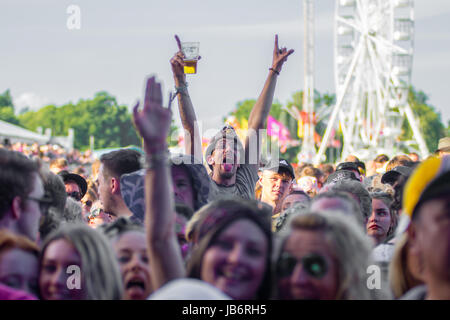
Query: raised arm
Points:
[261, 109]
[192, 137]
[153, 124]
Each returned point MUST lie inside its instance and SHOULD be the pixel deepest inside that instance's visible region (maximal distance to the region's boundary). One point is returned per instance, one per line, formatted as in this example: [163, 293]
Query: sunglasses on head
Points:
[314, 265]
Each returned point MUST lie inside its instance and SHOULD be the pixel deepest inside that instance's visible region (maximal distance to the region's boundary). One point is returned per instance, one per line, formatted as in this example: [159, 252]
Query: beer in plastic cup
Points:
[191, 54]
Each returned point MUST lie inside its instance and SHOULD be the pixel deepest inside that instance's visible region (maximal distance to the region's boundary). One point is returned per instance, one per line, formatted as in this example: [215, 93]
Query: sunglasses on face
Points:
[314, 265]
[88, 203]
[44, 203]
[75, 195]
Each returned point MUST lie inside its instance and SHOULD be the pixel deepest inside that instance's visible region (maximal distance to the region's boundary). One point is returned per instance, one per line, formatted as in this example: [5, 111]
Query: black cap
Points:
[283, 165]
[227, 132]
[347, 166]
[79, 180]
[391, 176]
[341, 175]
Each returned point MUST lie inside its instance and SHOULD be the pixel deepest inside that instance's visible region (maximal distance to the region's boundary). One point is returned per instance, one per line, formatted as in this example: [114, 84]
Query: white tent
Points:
[15, 134]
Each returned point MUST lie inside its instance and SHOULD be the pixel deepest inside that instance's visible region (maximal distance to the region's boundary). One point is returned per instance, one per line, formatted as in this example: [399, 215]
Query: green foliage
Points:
[172, 133]
[7, 108]
[101, 117]
[7, 114]
[243, 109]
[6, 100]
[430, 123]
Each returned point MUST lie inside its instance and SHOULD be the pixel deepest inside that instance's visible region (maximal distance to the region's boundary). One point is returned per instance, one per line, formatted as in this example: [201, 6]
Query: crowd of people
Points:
[222, 225]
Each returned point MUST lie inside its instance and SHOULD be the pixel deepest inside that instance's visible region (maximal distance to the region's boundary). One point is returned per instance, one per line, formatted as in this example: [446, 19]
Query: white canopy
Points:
[15, 133]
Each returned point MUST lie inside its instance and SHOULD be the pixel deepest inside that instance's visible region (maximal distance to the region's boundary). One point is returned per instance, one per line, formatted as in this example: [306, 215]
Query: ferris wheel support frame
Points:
[326, 136]
[385, 89]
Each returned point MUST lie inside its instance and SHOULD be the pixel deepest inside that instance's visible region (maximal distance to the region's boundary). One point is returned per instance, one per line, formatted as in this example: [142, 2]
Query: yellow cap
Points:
[421, 178]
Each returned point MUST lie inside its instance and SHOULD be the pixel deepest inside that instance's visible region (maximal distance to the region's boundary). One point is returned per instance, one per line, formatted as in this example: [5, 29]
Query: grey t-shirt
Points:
[246, 177]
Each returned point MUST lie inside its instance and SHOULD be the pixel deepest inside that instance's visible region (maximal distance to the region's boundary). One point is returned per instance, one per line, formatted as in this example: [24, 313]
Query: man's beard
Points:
[109, 206]
[227, 174]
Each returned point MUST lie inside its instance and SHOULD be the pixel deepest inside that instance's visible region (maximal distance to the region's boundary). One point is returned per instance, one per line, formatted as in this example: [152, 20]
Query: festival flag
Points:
[278, 130]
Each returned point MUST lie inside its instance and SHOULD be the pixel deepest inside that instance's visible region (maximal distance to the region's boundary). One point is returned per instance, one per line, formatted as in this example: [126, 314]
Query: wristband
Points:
[275, 71]
[157, 160]
[181, 89]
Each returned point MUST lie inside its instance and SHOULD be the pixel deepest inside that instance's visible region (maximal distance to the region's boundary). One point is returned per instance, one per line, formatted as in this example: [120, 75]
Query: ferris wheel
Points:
[373, 55]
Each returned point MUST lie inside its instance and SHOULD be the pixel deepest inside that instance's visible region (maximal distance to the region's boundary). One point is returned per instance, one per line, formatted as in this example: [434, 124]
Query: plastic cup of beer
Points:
[191, 54]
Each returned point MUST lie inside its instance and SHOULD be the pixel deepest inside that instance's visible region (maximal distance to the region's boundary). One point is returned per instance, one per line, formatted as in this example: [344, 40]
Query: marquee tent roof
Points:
[16, 133]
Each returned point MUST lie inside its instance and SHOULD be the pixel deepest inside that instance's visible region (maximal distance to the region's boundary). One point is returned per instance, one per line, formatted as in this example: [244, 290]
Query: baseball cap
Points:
[429, 180]
[341, 175]
[357, 166]
[283, 165]
[227, 132]
[391, 176]
[347, 166]
[444, 144]
[79, 180]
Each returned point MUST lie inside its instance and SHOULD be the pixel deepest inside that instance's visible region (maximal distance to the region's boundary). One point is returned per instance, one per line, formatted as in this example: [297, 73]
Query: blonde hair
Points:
[350, 246]
[9, 240]
[401, 279]
[59, 163]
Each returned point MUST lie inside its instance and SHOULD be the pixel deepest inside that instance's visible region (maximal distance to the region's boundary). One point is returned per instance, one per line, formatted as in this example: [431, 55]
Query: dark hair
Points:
[119, 227]
[215, 217]
[388, 200]
[297, 191]
[401, 160]
[184, 210]
[311, 172]
[49, 222]
[118, 162]
[16, 177]
[54, 189]
[327, 168]
[381, 158]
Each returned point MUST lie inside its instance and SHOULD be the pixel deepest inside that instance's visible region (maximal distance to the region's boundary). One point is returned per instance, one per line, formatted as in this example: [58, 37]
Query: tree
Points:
[6, 99]
[7, 108]
[430, 123]
[101, 117]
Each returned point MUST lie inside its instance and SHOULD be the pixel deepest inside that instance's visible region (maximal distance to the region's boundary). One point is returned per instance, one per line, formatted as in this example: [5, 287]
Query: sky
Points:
[120, 43]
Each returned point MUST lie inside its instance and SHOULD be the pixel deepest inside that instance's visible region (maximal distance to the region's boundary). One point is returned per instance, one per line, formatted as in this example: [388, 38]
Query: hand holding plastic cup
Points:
[191, 55]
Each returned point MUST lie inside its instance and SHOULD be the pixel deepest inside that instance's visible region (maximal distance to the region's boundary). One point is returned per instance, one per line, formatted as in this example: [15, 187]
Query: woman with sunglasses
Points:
[324, 257]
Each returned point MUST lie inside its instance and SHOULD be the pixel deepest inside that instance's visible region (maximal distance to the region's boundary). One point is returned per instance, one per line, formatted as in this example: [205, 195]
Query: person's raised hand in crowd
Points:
[258, 115]
[187, 113]
[153, 124]
[153, 121]
[280, 55]
[178, 63]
